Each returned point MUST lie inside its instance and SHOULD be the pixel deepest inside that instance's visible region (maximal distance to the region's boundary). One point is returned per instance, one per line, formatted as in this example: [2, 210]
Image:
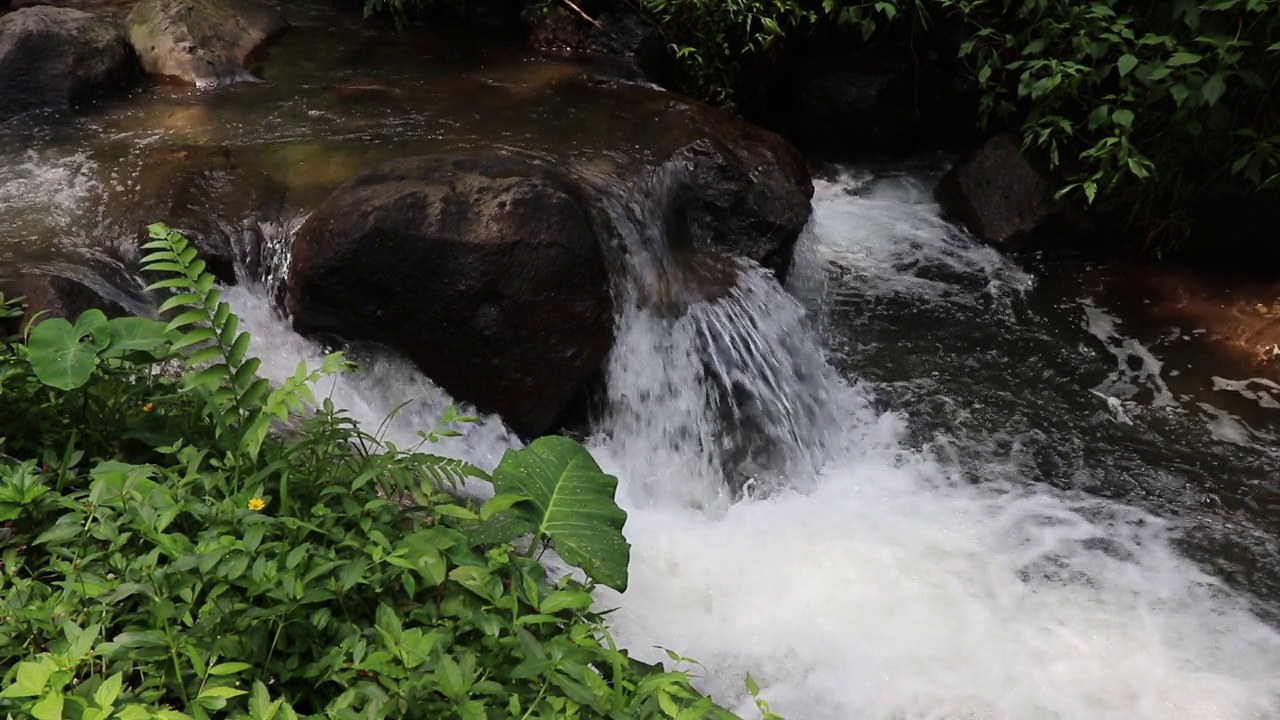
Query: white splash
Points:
[879, 586]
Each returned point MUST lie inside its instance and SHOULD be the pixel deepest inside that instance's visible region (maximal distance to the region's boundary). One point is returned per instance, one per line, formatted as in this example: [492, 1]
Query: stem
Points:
[177, 667]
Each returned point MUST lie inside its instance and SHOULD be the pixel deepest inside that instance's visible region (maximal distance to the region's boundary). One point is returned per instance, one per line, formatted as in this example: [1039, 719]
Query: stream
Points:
[993, 488]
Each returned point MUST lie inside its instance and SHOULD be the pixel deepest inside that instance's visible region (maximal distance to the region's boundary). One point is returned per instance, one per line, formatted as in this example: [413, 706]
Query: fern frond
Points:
[445, 472]
[208, 327]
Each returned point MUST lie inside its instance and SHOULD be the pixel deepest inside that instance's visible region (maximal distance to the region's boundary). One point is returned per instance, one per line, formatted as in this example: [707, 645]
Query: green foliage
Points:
[713, 39]
[569, 501]
[1149, 103]
[1145, 103]
[63, 355]
[210, 547]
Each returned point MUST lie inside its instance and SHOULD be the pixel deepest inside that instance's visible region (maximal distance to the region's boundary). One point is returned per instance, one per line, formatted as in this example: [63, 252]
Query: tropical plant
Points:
[224, 549]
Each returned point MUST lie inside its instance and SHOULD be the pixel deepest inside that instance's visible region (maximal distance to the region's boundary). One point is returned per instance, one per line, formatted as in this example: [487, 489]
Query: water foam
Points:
[878, 584]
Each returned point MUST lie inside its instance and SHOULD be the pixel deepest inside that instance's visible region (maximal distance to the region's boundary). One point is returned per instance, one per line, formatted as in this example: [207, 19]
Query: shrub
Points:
[200, 545]
[1148, 104]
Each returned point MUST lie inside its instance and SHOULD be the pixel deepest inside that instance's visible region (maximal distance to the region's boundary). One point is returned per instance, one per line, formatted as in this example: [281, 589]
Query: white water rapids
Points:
[876, 583]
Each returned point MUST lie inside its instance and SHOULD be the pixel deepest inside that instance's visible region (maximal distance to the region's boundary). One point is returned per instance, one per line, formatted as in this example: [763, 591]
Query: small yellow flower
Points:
[256, 504]
[149, 407]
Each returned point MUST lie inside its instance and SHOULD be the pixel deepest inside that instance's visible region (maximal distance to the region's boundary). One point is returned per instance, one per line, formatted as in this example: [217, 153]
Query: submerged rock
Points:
[58, 58]
[485, 270]
[998, 193]
[204, 193]
[202, 42]
[49, 296]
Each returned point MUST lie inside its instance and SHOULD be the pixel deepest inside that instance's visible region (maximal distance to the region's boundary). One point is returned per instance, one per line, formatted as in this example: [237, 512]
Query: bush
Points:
[1148, 104]
[200, 545]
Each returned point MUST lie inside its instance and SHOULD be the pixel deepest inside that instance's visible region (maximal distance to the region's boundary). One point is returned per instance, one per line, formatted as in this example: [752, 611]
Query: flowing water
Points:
[990, 509]
[920, 481]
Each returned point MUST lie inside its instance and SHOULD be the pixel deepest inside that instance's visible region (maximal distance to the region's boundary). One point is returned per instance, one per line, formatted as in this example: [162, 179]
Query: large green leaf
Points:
[570, 500]
[64, 355]
[134, 334]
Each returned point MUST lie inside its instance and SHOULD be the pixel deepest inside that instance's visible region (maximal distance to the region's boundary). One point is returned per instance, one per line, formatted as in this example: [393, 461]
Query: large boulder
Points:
[493, 273]
[485, 270]
[58, 58]
[998, 193]
[202, 42]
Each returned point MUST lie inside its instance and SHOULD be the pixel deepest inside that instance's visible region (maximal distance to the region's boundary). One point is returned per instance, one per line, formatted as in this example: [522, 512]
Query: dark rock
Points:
[205, 194]
[838, 98]
[493, 273]
[725, 202]
[732, 186]
[998, 193]
[58, 58]
[714, 180]
[59, 296]
[485, 270]
[203, 42]
[620, 30]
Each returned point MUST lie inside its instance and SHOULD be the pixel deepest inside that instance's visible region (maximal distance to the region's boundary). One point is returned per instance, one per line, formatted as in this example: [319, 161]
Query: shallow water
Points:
[971, 489]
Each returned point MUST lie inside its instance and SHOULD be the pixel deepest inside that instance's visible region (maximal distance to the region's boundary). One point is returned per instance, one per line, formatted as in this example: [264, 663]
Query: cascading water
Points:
[878, 577]
[716, 385]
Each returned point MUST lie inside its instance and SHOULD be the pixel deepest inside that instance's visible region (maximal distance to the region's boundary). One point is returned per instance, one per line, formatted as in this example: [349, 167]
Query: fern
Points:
[208, 328]
[241, 404]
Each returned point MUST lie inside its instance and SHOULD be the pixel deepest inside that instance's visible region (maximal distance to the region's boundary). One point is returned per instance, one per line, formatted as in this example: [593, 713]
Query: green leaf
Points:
[562, 599]
[229, 668]
[64, 356]
[1184, 58]
[1214, 87]
[570, 502]
[48, 708]
[108, 691]
[1122, 117]
[129, 334]
[498, 504]
[500, 529]
[449, 675]
[31, 679]
[1126, 64]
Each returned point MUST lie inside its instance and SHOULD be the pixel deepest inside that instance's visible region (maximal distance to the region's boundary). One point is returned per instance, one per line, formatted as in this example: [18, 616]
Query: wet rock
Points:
[728, 185]
[616, 29]
[204, 193]
[836, 98]
[202, 42]
[725, 202]
[50, 296]
[59, 58]
[485, 270]
[998, 193]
